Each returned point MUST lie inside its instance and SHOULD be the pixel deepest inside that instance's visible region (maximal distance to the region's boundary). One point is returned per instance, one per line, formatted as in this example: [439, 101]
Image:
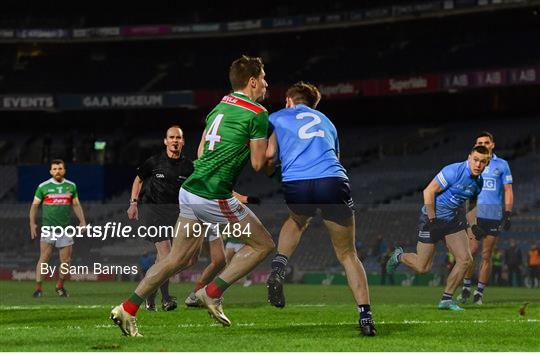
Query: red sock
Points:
[130, 307]
[39, 287]
[198, 285]
[60, 284]
[213, 290]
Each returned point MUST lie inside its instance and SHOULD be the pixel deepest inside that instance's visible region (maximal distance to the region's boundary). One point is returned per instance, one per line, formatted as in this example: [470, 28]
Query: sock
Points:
[216, 288]
[480, 288]
[60, 283]
[132, 304]
[198, 285]
[446, 296]
[152, 297]
[164, 288]
[39, 287]
[365, 314]
[467, 284]
[278, 264]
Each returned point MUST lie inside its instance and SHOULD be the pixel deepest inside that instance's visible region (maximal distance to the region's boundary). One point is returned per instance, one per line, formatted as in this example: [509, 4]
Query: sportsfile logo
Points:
[120, 230]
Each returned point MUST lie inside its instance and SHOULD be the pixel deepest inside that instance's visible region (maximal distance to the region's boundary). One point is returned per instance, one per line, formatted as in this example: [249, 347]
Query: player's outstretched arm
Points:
[133, 210]
[33, 217]
[77, 209]
[258, 153]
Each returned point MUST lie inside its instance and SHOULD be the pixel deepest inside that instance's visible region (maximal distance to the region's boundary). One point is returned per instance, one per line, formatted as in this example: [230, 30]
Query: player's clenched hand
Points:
[33, 231]
[133, 212]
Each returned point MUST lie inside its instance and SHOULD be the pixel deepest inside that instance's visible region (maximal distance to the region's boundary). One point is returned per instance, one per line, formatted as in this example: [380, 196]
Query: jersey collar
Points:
[238, 93]
[56, 182]
[494, 157]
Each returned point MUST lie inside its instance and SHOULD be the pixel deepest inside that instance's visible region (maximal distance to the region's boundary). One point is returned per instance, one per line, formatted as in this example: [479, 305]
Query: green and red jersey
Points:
[229, 128]
[57, 198]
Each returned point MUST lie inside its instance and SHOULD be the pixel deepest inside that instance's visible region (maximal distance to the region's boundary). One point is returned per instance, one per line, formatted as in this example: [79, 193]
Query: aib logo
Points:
[489, 184]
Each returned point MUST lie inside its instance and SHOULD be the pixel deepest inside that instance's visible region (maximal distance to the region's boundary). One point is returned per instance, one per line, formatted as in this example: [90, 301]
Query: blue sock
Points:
[278, 264]
[365, 314]
[446, 296]
[480, 288]
[467, 284]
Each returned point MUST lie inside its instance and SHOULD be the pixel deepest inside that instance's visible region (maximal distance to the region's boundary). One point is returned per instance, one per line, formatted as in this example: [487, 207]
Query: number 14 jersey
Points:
[308, 144]
[229, 127]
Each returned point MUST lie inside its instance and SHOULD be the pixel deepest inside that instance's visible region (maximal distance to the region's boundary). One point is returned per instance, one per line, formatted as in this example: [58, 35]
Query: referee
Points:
[156, 188]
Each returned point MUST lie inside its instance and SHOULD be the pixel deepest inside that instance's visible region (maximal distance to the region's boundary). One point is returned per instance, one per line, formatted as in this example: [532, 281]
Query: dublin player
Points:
[306, 143]
[235, 131]
[495, 204]
[444, 217]
[58, 196]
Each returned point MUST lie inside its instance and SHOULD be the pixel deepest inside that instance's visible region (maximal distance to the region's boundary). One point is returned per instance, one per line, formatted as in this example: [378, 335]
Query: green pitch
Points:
[316, 318]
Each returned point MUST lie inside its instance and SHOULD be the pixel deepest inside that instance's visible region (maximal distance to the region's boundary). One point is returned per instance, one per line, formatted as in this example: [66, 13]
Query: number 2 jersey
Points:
[229, 128]
[308, 144]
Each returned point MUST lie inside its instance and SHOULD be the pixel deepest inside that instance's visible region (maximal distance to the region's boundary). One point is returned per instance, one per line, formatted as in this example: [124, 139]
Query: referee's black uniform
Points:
[162, 178]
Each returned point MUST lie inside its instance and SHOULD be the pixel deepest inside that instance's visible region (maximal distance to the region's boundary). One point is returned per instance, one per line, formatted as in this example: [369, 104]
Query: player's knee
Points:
[465, 262]
[346, 254]
[300, 221]
[486, 257]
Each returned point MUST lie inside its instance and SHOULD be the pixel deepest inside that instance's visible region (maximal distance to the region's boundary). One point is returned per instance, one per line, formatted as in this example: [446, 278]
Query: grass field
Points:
[316, 318]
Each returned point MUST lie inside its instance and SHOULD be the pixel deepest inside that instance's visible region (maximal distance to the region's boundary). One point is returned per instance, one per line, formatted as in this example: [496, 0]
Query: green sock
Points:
[221, 284]
[136, 299]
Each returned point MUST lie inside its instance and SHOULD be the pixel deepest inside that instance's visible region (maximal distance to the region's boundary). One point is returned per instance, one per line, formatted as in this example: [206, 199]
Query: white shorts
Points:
[58, 241]
[234, 246]
[216, 212]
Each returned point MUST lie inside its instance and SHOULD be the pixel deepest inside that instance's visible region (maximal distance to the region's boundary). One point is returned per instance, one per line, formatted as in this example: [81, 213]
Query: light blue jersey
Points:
[308, 144]
[458, 185]
[490, 201]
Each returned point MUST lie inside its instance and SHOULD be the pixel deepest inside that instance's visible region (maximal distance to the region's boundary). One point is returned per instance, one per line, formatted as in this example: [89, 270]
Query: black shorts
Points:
[332, 195]
[155, 216]
[455, 225]
[492, 227]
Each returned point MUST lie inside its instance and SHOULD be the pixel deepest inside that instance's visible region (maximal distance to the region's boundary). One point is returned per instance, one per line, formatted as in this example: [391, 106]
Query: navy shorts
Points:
[451, 227]
[492, 227]
[332, 195]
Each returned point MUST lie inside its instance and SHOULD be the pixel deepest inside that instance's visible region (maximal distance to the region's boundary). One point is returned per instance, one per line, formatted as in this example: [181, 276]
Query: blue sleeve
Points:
[272, 119]
[506, 175]
[446, 177]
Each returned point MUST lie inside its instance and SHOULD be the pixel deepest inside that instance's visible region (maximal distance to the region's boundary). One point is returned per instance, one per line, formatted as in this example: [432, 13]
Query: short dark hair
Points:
[480, 149]
[172, 126]
[304, 92]
[57, 162]
[483, 134]
[244, 68]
